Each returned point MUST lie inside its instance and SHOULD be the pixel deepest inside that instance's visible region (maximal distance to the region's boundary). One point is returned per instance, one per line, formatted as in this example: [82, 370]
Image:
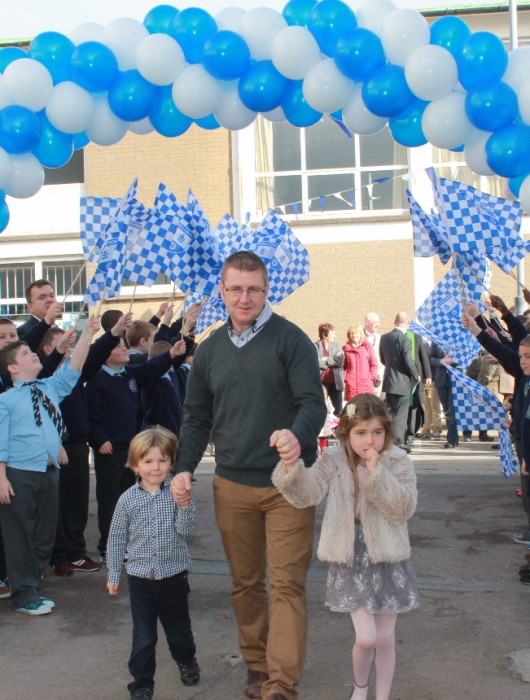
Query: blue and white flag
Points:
[428, 234]
[109, 272]
[476, 408]
[150, 239]
[474, 275]
[441, 314]
[95, 215]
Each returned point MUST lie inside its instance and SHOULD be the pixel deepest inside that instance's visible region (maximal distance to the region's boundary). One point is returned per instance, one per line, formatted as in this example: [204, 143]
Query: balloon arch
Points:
[380, 65]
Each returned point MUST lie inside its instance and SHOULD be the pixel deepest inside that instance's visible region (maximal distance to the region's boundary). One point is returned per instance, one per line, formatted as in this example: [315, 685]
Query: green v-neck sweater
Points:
[237, 397]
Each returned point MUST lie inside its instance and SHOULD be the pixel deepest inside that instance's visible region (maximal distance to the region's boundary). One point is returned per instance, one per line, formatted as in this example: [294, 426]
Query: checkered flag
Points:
[232, 236]
[428, 234]
[150, 239]
[474, 272]
[476, 408]
[441, 313]
[212, 310]
[96, 214]
[109, 272]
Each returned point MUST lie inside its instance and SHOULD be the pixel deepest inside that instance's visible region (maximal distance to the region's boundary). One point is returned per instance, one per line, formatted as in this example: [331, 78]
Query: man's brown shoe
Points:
[255, 679]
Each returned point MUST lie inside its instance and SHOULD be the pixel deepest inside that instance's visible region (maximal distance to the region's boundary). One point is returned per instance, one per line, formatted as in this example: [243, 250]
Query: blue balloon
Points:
[296, 109]
[80, 141]
[296, 12]
[514, 184]
[482, 58]
[131, 96]
[508, 151]
[262, 88]
[492, 106]
[94, 66]
[160, 18]
[405, 127]
[164, 115]
[385, 92]
[450, 33]
[20, 129]
[208, 123]
[4, 214]
[54, 148]
[337, 115]
[192, 28]
[53, 50]
[10, 54]
[358, 53]
[329, 21]
[226, 55]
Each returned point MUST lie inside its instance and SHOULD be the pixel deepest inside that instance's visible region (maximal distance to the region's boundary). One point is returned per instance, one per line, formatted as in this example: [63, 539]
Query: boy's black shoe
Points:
[141, 694]
[525, 578]
[190, 673]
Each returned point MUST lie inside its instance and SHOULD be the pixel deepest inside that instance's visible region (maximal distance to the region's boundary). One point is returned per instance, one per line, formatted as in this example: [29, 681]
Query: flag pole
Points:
[132, 299]
[100, 304]
[83, 267]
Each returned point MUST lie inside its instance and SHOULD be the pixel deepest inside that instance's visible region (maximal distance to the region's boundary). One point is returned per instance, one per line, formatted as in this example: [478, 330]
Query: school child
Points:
[163, 406]
[371, 493]
[140, 337]
[113, 398]
[150, 530]
[31, 428]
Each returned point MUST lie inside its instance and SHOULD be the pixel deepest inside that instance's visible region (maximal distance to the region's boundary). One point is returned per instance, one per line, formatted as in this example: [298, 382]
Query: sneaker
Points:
[523, 537]
[190, 673]
[103, 558]
[141, 694]
[466, 438]
[48, 602]
[421, 436]
[63, 569]
[437, 436]
[5, 591]
[450, 445]
[85, 564]
[39, 608]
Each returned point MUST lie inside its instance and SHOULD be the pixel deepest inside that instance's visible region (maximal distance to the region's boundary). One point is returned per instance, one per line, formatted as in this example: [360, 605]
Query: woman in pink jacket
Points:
[360, 364]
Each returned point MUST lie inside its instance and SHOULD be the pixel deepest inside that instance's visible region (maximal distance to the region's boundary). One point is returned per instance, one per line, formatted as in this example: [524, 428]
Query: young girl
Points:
[149, 530]
[371, 489]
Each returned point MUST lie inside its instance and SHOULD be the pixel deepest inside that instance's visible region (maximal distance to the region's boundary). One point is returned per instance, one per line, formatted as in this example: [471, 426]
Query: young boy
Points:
[151, 530]
[140, 337]
[163, 406]
[113, 397]
[31, 428]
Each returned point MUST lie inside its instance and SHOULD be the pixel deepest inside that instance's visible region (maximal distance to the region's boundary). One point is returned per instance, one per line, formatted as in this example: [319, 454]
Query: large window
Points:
[319, 169]
[13, 281]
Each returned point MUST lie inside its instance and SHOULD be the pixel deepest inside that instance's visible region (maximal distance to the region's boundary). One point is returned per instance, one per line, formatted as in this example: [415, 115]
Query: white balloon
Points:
[431, 72]
[294, 51]
[402, 32]
[159, 59]
[475, 152]
[122, 36]
[230, 18]
[372, 13]
[141, 127]
[358, 117]
[70, 108]
[518, 67]
[523, 98]
[258, 28]
[5, 168]
[231, 112]
[26, 177]
[524, 194]
[88, 31]
[105, 128]
[275, 115]
[27, 83]
[195, 92]
[325, 88]
[445, 123]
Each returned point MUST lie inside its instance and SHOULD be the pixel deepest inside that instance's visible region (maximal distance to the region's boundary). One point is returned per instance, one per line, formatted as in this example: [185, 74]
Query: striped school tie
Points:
[38, 395]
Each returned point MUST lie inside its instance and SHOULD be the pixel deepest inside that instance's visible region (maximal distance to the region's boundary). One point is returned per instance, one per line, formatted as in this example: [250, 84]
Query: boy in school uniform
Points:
[163, 406]
[113, 398]
[31, 428]
[150, 530]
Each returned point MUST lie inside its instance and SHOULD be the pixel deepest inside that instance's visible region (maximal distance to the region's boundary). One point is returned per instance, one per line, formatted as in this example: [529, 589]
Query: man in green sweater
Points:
[255, 388]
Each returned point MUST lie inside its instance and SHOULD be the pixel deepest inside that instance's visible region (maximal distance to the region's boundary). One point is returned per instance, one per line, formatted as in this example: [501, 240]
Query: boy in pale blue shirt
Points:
[31, 429]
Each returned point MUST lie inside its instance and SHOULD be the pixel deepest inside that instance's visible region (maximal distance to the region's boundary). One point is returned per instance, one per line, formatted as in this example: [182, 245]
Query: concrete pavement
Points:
[469, 639]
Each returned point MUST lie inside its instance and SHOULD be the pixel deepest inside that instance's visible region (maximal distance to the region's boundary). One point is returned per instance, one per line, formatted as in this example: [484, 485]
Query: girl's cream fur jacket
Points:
[389, 500]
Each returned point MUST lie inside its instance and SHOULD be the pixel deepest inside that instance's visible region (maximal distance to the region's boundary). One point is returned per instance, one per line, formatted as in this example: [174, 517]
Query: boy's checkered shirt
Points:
[149, 532]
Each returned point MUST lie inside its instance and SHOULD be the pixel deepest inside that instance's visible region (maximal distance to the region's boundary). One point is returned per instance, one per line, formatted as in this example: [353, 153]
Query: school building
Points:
[344, 198]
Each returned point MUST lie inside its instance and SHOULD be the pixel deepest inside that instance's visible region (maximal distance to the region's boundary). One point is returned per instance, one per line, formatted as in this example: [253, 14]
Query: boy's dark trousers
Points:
[112, 479]
[29, 523]
[165, 600]
[74, 485]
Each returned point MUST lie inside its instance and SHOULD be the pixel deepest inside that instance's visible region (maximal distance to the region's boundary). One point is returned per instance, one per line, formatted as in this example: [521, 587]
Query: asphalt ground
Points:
[470, 638]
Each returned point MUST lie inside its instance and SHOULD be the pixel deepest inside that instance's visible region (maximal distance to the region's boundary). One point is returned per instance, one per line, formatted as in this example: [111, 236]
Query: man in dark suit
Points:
[42, 305]
[423, 366]
[400, 374]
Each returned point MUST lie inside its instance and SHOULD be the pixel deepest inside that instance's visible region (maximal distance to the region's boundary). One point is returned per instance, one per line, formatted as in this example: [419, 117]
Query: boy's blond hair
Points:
[164, 439]
[138, 330]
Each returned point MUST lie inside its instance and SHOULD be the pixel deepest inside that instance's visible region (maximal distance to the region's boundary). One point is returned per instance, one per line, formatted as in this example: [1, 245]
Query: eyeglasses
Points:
[236, 292]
